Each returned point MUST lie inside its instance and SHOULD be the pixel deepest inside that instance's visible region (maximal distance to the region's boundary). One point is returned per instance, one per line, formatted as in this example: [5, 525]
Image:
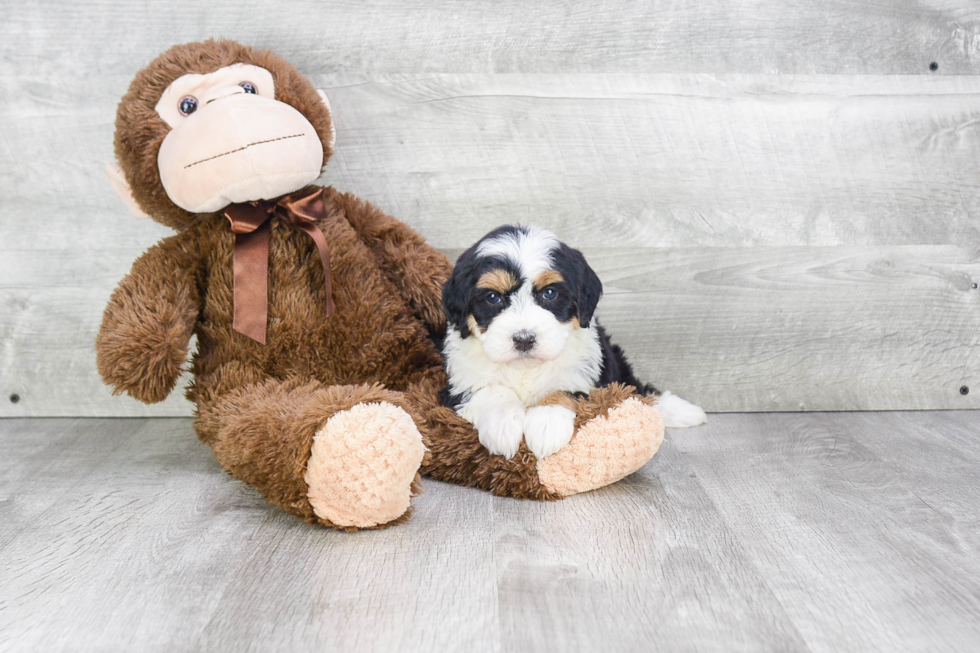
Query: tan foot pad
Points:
[605, 449]
[362, 465]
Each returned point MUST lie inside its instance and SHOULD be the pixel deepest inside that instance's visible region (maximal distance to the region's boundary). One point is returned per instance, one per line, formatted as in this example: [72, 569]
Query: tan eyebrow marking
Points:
[547, 278]
[500, 280]
[473, 325]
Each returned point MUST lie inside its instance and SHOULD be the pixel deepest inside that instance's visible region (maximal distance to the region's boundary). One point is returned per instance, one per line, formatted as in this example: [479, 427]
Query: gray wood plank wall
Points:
[780, 196]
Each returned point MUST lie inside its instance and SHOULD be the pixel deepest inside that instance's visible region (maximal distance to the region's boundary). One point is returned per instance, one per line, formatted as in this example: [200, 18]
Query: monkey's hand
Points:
[148, 323]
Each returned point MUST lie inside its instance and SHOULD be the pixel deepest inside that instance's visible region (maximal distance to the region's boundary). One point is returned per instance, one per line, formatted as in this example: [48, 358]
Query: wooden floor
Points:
[782, 532]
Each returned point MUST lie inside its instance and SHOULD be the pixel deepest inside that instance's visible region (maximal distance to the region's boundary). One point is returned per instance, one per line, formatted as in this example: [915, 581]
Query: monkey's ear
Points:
[333, 130]
[121, 186]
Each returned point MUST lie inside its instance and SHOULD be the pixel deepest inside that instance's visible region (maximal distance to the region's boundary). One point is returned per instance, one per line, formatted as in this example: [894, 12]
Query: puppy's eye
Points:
[494, 298]
[549, 293]
[249, 87]
[187, 105]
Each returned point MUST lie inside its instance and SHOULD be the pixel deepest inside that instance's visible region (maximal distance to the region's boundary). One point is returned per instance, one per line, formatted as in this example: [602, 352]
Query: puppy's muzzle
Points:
[523, 341]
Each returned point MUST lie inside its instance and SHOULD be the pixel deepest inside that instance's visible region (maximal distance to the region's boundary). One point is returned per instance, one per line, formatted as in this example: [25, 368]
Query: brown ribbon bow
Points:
[250, 222]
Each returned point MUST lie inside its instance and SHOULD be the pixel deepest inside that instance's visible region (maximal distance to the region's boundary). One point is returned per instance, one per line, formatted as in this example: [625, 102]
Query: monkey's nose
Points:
[523, 340]
[222, 92]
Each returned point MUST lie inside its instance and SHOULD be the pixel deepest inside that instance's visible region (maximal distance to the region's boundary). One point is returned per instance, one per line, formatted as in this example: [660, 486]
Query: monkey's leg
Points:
[616, 433]
[341, 456]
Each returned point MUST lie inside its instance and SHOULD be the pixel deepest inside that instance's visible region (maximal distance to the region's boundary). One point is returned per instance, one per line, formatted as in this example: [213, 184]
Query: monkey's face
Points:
[232, 141]
[209, 124]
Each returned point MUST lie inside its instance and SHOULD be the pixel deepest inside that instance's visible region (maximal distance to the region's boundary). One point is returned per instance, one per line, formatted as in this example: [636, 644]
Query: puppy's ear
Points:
[584, 282]
[589, 295]
[456, 293]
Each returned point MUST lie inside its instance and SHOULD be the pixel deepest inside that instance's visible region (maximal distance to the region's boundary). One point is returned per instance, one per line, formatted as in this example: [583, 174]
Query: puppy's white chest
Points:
[534, 384]
[576, 369]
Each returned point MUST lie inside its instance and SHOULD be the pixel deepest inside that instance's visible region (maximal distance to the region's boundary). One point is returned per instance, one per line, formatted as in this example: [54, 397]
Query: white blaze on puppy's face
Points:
[524, 323]
[531, 249]
[525, 319]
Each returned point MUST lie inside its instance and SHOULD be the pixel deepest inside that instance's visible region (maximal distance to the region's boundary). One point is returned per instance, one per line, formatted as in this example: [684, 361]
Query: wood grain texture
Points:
[668, 160]
[768, 532]
[645, 564]
[751, 329]
[643, 160]
[427, 586]
[864, 516]
[837, 217]
[756, 36]
[799, 328]
[50, 310]
[107, 560]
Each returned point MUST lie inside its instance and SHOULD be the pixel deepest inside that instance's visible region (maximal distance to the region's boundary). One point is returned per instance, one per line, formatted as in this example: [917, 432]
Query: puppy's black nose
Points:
[523, 340]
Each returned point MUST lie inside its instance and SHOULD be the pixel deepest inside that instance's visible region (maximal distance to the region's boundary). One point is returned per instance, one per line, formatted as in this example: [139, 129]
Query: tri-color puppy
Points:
[520, 306]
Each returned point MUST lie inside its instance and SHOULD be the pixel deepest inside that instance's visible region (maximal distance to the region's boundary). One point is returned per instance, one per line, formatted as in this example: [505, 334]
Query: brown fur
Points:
[259, 407]
[474, 325]
[142, 353]
[140, 130]
[456, 455]
[238, 427]
[559, 398]
[500, 280]
[547, 278]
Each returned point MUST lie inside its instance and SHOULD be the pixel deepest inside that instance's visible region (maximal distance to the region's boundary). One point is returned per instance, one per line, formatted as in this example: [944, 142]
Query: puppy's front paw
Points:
[498, 415]
[547, 429]
[501, 430]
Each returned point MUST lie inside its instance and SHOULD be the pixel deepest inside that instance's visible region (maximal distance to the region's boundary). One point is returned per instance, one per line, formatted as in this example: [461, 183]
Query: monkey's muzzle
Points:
[239, 148]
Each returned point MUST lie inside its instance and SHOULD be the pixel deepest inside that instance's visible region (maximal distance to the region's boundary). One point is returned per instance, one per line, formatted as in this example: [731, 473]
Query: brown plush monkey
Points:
[315, 378]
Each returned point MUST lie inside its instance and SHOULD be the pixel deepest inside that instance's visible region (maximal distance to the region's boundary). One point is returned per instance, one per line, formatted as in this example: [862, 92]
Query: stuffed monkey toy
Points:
[316, 379]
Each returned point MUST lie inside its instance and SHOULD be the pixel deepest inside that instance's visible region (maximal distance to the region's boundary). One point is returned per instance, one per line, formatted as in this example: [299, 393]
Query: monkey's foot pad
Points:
[605, 449]
[362, 466]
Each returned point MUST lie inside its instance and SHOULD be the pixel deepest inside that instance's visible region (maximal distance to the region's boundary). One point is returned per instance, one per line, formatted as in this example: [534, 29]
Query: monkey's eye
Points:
[549, 293]
[187, 105]
[494, 298]
[249, 87]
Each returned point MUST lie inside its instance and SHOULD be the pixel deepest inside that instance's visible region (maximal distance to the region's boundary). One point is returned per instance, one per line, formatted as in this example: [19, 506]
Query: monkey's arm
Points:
[416, 268]
[148, 323]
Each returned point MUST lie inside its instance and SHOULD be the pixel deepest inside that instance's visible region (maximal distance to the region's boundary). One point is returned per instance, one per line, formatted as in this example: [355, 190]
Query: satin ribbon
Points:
[250, 222]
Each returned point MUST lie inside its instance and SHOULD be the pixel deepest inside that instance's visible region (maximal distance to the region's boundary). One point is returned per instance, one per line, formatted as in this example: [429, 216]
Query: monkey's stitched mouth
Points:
[244, 147]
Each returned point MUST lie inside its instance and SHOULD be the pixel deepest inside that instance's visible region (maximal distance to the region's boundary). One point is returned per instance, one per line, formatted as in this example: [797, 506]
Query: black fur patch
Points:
[581, 281]
[616, 369]
[448, 399]
[560, 299]
[460, 296]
